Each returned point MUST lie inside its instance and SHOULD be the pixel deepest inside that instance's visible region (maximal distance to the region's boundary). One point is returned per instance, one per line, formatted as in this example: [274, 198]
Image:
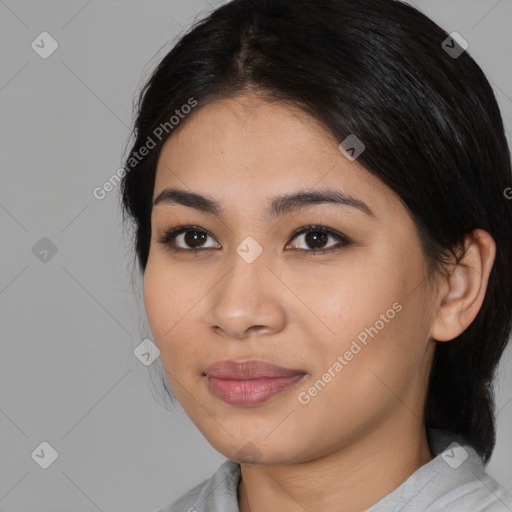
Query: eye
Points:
[193, 236]
[317, 236]
[192, 239]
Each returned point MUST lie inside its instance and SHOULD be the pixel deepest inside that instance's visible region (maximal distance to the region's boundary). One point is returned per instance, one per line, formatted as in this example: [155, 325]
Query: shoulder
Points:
[217, 493]
[479, 492]
[462, 481]
[455, 480]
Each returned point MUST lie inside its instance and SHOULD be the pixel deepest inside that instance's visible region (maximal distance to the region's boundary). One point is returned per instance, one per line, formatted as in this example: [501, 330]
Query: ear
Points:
[461, 294]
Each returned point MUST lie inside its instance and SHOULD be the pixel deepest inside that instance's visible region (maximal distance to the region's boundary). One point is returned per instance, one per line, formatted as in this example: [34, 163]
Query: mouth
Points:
[252, 382]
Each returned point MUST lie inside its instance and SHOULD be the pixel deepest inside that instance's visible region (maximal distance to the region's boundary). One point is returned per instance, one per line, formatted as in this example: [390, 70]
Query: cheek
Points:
[164, 301]
[383, 349]
[365, 312]
[170, 298]
[156, 300]
[337, 301]
[168, 295]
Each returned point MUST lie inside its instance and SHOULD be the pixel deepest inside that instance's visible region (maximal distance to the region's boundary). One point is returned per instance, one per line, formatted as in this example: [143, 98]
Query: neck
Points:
[352, 478]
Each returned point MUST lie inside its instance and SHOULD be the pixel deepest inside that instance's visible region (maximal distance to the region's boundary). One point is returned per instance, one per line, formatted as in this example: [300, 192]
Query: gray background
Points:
[70, 322]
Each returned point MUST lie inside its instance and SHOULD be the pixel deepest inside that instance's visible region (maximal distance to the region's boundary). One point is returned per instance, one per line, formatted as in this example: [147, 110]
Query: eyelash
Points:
[171, 234]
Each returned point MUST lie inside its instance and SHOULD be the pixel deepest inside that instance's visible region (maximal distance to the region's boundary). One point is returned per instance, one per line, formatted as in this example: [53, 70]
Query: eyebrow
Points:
[279, 205]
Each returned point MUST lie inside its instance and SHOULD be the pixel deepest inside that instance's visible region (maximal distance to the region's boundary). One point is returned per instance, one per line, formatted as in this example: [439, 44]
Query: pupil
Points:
[196, 235]
[313, 237]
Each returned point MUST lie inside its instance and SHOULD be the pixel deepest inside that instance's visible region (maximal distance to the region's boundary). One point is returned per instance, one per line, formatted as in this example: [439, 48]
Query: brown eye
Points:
[186, 238]
[316, 237]
[192, 239]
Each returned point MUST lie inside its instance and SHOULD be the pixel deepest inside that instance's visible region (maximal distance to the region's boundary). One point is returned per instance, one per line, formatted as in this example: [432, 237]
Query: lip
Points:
[248, 369]
[249, 382]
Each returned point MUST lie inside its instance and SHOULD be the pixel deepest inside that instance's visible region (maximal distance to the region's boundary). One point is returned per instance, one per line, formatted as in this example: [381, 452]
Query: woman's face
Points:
[353, 322]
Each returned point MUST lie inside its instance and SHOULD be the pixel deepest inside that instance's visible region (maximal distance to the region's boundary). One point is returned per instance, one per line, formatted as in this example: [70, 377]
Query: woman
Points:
[318, 195]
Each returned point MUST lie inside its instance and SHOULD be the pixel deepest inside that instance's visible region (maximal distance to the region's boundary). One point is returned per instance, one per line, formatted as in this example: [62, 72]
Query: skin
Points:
[300, 311]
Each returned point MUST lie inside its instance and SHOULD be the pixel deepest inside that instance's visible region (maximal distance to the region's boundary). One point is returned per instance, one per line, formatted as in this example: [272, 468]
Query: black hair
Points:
[432, 132]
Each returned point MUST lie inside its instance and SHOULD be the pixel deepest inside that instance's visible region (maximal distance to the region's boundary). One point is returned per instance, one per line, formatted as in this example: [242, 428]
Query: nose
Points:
[247, 301]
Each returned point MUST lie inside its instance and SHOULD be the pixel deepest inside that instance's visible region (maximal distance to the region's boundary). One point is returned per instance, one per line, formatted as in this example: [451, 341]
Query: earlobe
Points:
[461, 294]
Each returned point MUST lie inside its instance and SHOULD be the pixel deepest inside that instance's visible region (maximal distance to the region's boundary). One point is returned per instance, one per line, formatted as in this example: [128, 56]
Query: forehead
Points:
[249, 147]
[255, 122]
